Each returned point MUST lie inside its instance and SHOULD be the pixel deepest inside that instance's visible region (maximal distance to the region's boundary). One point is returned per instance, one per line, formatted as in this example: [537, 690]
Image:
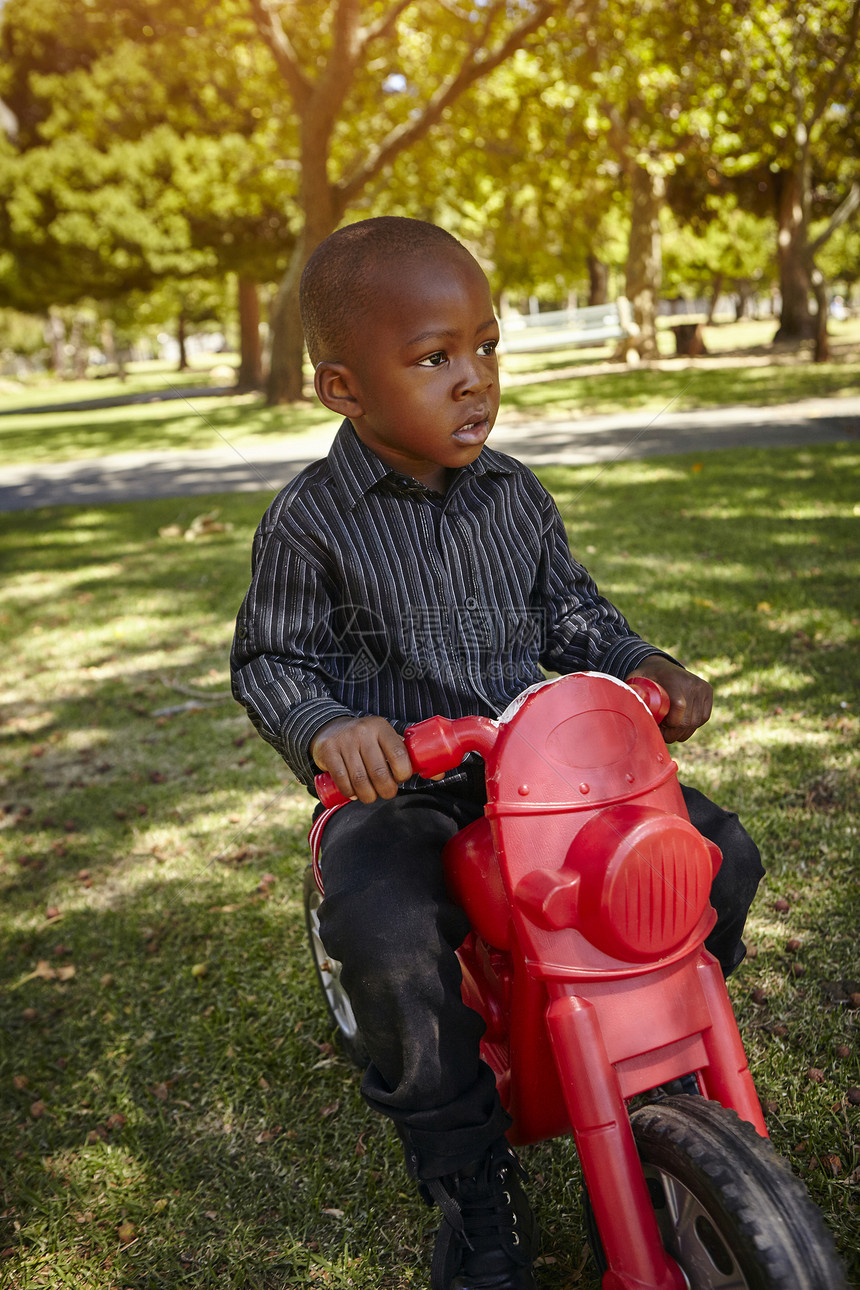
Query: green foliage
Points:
[21, 333]
[727, 243]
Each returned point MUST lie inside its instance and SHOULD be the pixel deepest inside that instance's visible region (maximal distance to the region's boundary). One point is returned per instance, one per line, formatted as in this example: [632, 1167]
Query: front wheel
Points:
[729, 1211]
[328, 975]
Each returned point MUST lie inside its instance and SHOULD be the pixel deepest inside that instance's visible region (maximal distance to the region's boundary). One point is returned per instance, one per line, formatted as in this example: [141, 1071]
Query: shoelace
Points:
[487, 1214]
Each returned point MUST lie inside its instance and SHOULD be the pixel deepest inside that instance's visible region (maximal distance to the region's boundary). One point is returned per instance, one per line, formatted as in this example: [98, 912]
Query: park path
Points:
[540, 441]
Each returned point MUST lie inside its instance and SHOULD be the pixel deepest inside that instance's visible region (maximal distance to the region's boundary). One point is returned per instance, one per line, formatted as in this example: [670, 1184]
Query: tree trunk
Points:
[55, 335]
[822, 341]
[598, 280]
[80, 348]
[286, 381]
[321, 217]
[796, 320]
[644, 258]
[180, 338]
[716, 288]
[251, 351]
[108, 342]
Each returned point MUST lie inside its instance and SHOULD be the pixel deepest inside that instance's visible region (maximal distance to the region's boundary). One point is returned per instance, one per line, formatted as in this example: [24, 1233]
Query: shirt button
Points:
[471, 602]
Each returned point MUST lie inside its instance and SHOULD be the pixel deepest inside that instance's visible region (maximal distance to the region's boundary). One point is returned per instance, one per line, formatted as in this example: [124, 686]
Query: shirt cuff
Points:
[301, 728]
[627, 654]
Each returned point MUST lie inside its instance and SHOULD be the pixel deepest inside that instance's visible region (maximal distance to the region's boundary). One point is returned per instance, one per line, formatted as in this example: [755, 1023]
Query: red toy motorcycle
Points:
[587, 890]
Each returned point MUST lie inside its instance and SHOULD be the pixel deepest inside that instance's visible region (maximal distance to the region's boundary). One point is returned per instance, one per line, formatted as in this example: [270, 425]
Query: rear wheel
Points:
[729, 1211]
[328, 974]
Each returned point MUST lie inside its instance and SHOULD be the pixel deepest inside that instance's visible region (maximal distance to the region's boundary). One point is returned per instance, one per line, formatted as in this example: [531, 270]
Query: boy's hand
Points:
[365, 756]
[691, 697]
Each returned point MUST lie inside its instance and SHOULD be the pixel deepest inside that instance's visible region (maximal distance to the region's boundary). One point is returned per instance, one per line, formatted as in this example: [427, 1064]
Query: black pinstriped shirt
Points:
[372, 594]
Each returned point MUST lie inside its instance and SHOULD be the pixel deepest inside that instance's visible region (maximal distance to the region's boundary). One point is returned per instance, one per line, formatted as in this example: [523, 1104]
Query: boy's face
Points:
[424, 373]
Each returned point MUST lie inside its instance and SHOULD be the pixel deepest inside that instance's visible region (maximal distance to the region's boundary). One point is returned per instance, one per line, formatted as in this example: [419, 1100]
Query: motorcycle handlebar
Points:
[440, 744]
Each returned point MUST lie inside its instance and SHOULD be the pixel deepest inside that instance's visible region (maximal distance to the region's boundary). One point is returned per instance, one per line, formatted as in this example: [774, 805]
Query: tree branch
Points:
[272, 31]
[849, 48]
[469, 71]
[843, 212]
[384, 24]
[8, 121]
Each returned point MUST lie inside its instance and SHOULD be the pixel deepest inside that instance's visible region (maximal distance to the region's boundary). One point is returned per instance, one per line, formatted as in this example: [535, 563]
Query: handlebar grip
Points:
[328, 791]
[434, 746]
[652, 695]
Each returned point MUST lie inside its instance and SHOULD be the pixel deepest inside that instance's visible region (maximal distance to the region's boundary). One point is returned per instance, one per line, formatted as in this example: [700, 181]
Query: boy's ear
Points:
[337, 389]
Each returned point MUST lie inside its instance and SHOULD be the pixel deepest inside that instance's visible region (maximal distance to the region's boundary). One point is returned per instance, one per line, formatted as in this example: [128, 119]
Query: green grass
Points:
[558, 384]
[173, 1111]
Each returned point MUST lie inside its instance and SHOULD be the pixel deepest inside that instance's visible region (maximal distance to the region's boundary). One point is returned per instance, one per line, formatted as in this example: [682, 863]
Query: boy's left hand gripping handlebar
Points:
[434, 746]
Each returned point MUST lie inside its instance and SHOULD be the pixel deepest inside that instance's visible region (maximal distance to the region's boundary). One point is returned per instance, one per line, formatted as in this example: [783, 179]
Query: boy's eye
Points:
[433, 360]
[488, 348]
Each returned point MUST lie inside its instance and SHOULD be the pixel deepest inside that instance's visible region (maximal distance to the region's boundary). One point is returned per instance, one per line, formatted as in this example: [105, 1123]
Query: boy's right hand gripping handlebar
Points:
[440, 743]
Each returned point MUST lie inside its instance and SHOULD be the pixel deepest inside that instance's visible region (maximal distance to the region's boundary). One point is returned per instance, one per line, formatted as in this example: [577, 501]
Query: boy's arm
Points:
[691, 696]
[284, 654]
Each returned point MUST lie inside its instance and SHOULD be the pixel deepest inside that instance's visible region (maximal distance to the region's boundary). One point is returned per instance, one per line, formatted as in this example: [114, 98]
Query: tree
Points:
[794, 82]
[140, 154]
[721, 247]
[334, 59]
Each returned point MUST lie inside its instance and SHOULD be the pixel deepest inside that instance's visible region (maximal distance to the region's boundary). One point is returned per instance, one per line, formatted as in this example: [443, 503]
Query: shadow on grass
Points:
[178, 1115]
[180, 425]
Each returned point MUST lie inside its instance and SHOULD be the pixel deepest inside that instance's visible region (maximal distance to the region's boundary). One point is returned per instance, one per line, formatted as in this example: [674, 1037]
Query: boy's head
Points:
[343, 279]
[400, 326]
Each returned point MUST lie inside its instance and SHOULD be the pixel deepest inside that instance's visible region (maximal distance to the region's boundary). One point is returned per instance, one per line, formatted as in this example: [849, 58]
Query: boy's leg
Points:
[737, 880]
[388, 919]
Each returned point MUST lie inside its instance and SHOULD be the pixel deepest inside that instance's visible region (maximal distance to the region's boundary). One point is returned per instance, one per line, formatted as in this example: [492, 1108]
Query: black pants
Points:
[388, 919]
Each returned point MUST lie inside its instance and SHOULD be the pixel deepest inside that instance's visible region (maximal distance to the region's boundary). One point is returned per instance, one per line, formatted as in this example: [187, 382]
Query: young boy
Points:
[415, 572]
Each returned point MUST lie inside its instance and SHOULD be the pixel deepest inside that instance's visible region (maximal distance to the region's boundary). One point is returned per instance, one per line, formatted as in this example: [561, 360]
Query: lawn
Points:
[174, 1111]
[564, 383]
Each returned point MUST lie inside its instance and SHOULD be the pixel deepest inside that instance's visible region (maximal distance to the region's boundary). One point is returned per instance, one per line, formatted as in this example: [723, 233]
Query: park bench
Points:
[590, 325]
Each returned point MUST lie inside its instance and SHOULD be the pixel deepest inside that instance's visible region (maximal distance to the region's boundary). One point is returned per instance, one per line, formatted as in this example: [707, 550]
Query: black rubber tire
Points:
[327, 972]
[730, 1211]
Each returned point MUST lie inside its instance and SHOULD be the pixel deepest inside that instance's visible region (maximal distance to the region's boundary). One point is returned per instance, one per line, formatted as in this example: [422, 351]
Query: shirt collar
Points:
[355, 469]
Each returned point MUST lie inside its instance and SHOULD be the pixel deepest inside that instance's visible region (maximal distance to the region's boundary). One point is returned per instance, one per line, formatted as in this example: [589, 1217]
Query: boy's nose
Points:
[473, 378]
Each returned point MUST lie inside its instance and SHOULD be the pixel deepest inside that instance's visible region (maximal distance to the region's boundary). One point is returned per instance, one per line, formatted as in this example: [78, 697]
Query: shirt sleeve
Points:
[281, 643]
[584, 632]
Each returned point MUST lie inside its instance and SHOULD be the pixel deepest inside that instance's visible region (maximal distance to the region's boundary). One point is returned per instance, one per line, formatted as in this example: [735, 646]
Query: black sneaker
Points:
[488, 1239]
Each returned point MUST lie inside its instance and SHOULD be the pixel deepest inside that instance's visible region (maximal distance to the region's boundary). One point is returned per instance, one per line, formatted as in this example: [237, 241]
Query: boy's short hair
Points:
[339, 285]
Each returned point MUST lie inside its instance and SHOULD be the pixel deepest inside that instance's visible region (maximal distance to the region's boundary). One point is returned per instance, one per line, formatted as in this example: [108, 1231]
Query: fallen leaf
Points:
[330, 1109]
[20, 1081]
[66, 973]
[37, 1110]
[126, 1232]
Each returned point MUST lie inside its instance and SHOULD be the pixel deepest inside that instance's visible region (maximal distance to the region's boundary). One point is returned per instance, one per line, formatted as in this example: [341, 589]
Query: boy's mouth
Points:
[473, 432]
